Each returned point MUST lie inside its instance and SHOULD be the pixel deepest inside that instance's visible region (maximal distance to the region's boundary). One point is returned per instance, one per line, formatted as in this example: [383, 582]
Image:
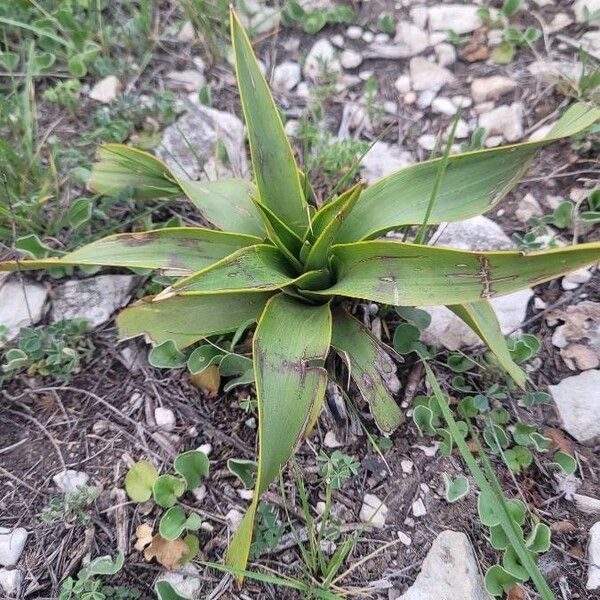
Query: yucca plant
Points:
[275, 258]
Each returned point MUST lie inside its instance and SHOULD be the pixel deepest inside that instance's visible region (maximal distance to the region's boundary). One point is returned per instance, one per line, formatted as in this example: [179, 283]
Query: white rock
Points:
[350, 59]
[449, 572]
[491, 88]
[293, 127]
[382, 159]
[419, 15]
[411, 39]
[504, 120]
[234, 518]
[11, 581]
[95, 298]
[186, 33]
[186, 580]
[320, 60]
[460, 18]
[418, 508]
[21, 304]
[330, 440]
[259, 18]
[205, 449]
[580, 5]
[105, 90]
[553, 71]
[437, 37]
[286, 76]
[68, 481]
[462, 130]
[462, 101]
[587, 504]
[528, 207]
[443, 106]
[407, 466]
[409, 98]
[446, 54]
[560, 21]
[188, 80]
[404, 538]
[590, 42]
[354, 32]
[373, 511]
[426, 98]
[593, 581]
[165, 418]
[426, 75]
[478, 233]
[381, 38]
[493, 141]
[578, 404]
[12, 543]
[201, 127]
[368, 36]
[573, 280]
[427, 141]
[403, 84]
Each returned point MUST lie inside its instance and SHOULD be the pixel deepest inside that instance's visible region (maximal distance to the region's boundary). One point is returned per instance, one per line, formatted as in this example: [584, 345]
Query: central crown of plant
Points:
[274, 258]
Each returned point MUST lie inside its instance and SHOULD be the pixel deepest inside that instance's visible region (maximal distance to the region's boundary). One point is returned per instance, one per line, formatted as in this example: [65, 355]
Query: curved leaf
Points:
[166, 490]
[139, 480]
[187, 319]
[193, 466]
[288, 386]
[174, 250]
[472, 184]
[275, 169]
[481, 318]
[414, 275]
[370, 367]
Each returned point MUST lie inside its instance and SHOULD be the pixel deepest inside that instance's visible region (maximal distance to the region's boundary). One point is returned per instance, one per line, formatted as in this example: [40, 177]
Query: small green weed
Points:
[71, 507]
[313, 20]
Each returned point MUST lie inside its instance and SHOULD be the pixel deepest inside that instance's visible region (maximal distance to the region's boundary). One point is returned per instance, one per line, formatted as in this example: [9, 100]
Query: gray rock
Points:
[446, 54]
[593, 581]
[382, 159]
[189, 80]
[426, 75]
[443, 106]
[491, 88]
[573, 280]
[105, 90]
[201, 127]
[186, 580]
[410, 40]
[286, 76]
[350, 59]
[579, 7]
[373, 511]
[461, 18]
[477, 234]
[590, 42]
[259, 18]
[553, 71]
[68, 481]
[449, 572]
[11, 581]
[578, 404]
[21, 304]
[504, 120]
[12, 543]
[95, 298]
[320, 60]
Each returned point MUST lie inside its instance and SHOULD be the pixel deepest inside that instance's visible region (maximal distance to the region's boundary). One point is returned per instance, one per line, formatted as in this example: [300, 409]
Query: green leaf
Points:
[245, 470]
[203, 357]
[405, 337]
[421, 319]
[539, 539]
[386, 272]
[503, 53]
[166, 490]
[167, 356]
[237, 366]
[565, 462]
[290, 387]
[139, 481]
[456, 489]
[498, 581]
[518, 458]
[172, 523]
[187, 319]
[278, 231]
[193, 544]
[481, 318]
[165, 591]
[371, 368]
[105, 565]
[510, 7]
[512, 564]
[193, 466]
[275, 169]
[423, 418]
[472, 184]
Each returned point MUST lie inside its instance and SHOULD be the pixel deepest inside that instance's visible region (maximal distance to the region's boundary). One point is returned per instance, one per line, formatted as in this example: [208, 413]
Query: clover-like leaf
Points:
[203, 357]
[405, 337]
[534, 398]
[139, 481]
[193, 466]
[495, 437]
[460, 363]
[167, 356]
[422, 416]
[105, 565]
[456, 489]
[541, 443]
[245, 470]
[539, 539]
[516, 508]
[512, 564]
[415, 316]
[166, 490]
[518, 458]
[565, 462]
[174, 522]
[193, 544]
[165, 591]
[497, 580]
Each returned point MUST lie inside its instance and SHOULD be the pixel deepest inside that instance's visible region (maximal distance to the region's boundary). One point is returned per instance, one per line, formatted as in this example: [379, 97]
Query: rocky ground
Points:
[117, 408]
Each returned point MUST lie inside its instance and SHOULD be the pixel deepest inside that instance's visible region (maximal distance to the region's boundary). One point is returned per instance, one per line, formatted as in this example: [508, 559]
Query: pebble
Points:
[373, 511]
[11, 581]
[12, 543]
[402, 84]
[407, 466]
[427, 141]
[68, 481]
[320, 60]
[409, 98]
[165, 418]
[504, 120]
[354, 32]
[338, 40]
[350, 59]
[205, 449]
[528, 207]
[593, 580]
[443, 106]
[446, 54]
[234, 518]
[286, 76]
[578, 404]
[404, 538]
[330, 440]
[462, 130]
[382, 159]
[573, 280]
[186, 580]
[426, 98]
[418, 508]
[21, 304]
[188, 80]
[368, 37]
[419, 15]
[426, 75]
[461, 18]
[105, 90]
[381, 38]
[491, 88]
[587, 504]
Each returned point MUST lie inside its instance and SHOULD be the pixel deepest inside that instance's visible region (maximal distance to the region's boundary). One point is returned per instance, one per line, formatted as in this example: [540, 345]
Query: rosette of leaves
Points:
[276, 258]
